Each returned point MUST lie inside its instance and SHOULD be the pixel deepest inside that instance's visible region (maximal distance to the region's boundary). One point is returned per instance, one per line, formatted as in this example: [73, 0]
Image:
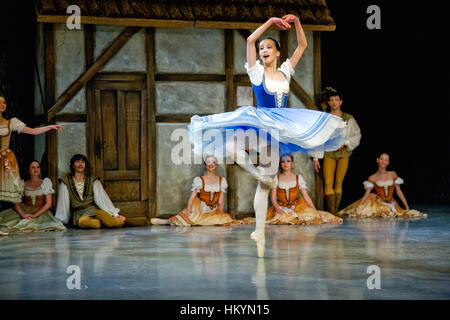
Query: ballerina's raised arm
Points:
[251, 49]
[301, 38]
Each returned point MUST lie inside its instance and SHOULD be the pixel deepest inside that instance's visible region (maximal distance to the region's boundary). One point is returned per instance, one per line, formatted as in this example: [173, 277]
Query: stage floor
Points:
[301, 262]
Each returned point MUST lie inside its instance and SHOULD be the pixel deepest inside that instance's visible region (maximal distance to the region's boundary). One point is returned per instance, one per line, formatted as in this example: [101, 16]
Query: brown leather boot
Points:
[338, 197]
[331, 203]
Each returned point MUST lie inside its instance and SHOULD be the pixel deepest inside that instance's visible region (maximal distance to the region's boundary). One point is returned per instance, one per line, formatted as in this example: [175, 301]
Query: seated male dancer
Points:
[82, 197]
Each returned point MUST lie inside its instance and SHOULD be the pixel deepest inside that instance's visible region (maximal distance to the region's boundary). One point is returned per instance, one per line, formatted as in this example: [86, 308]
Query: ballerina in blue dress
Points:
[280, 130]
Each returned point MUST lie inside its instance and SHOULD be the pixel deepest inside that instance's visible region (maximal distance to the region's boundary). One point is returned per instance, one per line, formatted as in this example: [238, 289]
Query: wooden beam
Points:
[71, 117]
[318, 177]
[144, 148]
[49, 67]
[255, 25]
[241, 78]
[302, 95]
[127, 22]
[121, 76]
[121, 130]
[75, 87]
[151, 99]
[89, 33]
[229, 106]
[50, 89]
[161, 23]
[190, 77]
[122, 174]
[176, 117]
[317, 63]
[119, 85]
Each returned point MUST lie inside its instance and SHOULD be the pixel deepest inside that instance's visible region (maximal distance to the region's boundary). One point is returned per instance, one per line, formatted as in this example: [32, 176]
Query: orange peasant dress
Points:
[205, 206]
[296, 210]
[11, 188]
[381, 203]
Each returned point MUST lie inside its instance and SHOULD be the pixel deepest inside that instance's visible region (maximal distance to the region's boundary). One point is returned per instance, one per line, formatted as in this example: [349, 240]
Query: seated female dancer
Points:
[287, 208]
[382, 203]
[205, 205]
[33, 213]
[290, 129]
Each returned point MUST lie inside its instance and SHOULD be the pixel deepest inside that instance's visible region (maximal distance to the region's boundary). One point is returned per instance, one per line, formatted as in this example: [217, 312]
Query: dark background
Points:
[395, 83]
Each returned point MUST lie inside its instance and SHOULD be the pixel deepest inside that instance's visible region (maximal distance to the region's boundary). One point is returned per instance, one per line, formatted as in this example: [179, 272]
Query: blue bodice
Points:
[267, 99]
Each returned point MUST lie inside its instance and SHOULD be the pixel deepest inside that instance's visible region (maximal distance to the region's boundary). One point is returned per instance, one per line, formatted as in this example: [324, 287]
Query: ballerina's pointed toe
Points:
[260, 243]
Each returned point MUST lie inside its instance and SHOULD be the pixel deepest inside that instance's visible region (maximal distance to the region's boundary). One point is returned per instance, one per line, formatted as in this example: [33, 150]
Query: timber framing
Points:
[245, 14]
[76, 86]
[50, 89]
[155, 23]
[151, 105]
[54, 105]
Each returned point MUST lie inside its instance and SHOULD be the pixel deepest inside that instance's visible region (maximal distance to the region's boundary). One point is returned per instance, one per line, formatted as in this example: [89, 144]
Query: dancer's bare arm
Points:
[366, 195]
[400, 194]
[307, 198]
[21, 213]
[191, 200]
[273, 197]
[301, 38]
[221, 202]
[36, 131]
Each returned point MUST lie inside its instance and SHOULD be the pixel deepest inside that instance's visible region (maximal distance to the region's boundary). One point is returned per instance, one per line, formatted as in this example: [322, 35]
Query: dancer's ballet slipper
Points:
[260, 242]
[3, 233]
[159, 221]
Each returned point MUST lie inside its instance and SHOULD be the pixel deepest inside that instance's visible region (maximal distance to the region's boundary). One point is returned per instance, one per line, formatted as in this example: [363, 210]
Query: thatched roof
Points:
[230, 14]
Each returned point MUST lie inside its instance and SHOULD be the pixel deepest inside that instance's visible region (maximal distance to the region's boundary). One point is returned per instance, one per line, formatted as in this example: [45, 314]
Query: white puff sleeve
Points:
[276, 182]
[316, 155]
[287, 69]
[103, 201]
[399, 181]
[47, 186]
[301, 182]
[353, 136]
[63, 204]
[368, 185]
[255, 73]
[197, 184]
[224, 185]
[16, 125]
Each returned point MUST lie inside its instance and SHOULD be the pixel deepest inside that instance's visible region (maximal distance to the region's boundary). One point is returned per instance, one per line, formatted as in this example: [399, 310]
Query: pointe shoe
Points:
[3, 233]
[159, 221]
[267, 180]
[260, 242]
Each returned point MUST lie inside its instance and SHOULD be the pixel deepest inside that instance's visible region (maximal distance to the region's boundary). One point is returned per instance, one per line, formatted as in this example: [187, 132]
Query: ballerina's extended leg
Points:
[260, 205]
[243, 160]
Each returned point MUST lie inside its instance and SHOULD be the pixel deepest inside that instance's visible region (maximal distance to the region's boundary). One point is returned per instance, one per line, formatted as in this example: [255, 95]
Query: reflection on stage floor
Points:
[301, 262]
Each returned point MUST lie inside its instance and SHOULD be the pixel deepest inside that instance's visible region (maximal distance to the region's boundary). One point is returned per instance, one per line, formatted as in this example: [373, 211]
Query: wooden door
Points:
[120, 140]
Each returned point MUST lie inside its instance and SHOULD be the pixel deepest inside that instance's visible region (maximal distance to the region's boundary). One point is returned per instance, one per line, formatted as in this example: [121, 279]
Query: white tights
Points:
[260, 202]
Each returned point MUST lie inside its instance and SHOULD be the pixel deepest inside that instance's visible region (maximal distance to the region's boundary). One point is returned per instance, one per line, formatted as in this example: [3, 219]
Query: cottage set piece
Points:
[121, 180]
